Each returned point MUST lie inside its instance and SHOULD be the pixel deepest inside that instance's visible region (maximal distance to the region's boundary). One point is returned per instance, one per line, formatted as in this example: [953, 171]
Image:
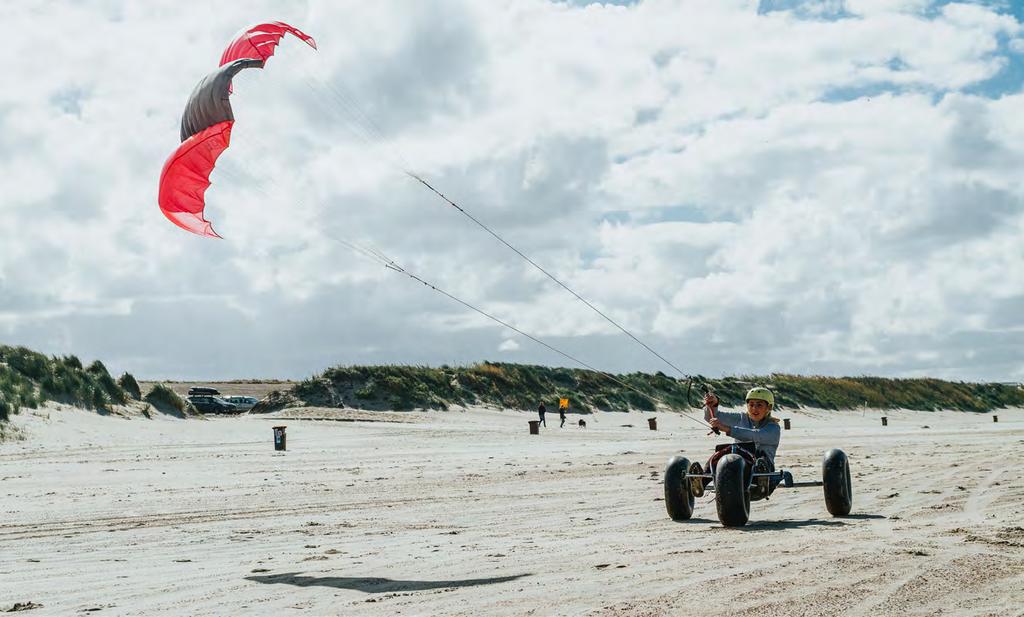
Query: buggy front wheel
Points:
[731, 496]
[835, 477]
[678, 498]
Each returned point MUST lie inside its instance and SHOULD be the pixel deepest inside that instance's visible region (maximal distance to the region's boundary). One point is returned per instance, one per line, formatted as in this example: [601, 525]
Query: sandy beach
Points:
[465, 513]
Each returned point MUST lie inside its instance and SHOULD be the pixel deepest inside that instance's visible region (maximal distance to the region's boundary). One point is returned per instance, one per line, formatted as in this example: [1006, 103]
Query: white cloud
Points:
[508, 345]
[870, 7]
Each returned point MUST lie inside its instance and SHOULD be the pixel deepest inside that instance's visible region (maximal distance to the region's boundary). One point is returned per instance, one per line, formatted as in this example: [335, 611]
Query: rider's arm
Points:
[710, 406]
[767, 435]
[728, 418]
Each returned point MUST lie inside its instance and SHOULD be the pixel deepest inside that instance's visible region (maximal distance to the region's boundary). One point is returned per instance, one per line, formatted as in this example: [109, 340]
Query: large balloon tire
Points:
[731, 496]
[678, 498]
[838, 485]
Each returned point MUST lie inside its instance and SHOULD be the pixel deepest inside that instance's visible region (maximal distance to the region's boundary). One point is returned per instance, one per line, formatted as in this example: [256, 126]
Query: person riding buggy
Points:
[744, 471]
[755, 433]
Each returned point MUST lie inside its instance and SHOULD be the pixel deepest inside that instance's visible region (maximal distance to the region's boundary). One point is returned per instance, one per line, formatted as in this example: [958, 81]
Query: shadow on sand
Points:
[374, 585]
[691, 521]
[811, 522]
[765, 525]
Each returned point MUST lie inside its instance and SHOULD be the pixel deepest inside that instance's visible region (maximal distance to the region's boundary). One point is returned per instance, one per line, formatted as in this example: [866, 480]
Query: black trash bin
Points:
[534, 427]
[279, 438]
[652, 423]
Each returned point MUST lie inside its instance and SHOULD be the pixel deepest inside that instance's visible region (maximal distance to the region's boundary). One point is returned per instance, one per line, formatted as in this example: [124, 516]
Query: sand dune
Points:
[465, 513]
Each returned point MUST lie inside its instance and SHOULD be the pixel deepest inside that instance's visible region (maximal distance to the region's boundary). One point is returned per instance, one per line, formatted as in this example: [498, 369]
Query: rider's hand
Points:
[711, 400]
[716, 423]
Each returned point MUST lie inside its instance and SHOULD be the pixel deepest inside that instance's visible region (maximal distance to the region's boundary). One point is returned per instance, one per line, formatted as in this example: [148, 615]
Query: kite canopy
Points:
[260, 40]
[205, 133]
[209, 103]
[186, 176]
[206, 127]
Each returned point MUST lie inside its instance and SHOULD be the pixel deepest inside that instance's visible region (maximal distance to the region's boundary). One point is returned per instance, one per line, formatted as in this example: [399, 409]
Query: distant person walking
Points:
[561, 414]
[542, 410]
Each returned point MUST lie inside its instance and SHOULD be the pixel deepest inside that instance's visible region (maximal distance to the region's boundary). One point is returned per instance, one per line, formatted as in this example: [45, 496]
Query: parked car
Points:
[243, 403]
[202, 391]
[212, 404]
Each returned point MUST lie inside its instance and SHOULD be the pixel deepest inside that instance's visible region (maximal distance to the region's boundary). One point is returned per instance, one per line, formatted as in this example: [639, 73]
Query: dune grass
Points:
[29, 378]
[520, 386]
[131, 387]
[165, 400]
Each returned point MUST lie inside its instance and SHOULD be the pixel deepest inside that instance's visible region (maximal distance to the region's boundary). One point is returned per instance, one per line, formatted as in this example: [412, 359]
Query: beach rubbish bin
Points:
[652, 423]
[279, 438]
[535, 427]
[995, 418]
[885, 421]
[785, 423]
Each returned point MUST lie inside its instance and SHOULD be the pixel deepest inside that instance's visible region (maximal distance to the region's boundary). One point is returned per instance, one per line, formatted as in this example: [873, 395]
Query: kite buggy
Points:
[734, 479]
[744, 471]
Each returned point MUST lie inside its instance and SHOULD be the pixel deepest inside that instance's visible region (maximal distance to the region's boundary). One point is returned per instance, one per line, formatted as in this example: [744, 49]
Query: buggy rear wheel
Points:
[835, 477]
[678, 498]
[731, 496]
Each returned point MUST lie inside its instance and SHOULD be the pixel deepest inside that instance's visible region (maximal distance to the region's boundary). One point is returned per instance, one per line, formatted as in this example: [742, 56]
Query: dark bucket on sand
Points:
[652, 423]
[785, 423]
[279, 438]
[535, 427]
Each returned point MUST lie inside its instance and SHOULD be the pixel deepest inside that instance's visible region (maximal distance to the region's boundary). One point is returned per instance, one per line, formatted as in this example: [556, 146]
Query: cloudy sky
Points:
[830, 187]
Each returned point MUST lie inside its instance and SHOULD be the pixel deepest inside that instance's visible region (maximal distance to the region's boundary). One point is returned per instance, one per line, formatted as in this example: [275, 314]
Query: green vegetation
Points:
[16, 391]
[28, 378]
[523, 387]
[130, 386]
[165, 400]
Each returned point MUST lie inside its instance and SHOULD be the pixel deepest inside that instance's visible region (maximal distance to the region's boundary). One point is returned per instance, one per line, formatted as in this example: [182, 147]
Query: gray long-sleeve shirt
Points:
[766, 434]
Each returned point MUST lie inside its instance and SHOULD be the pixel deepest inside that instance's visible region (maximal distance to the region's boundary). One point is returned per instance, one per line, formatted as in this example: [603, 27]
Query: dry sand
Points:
[465, 513]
